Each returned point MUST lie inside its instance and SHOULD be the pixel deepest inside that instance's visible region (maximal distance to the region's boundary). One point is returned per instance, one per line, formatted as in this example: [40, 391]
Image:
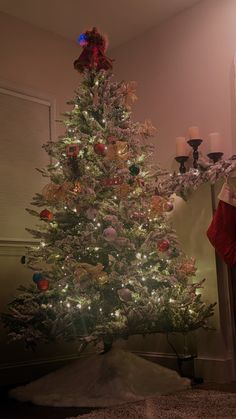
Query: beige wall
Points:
[38, 60]
[185, 76]
[39, 63]
[184, 71]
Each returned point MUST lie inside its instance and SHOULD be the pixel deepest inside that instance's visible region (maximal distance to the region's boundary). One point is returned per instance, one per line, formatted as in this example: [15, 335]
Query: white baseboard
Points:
[218, 370]
[211, 370]
[23, 371]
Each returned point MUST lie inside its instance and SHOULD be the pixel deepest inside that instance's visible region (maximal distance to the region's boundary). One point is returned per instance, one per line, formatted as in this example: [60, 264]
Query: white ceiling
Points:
[121, 20]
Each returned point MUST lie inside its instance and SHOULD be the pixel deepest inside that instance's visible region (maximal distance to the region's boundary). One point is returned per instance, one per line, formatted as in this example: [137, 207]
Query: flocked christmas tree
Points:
[108, 264]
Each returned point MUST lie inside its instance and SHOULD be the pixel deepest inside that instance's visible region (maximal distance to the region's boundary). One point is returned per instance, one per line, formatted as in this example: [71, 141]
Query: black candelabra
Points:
[182, 160]
[215, 157]
[195, 143]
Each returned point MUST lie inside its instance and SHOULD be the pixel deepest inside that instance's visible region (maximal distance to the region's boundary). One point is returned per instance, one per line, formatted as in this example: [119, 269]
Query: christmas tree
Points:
[108, 263]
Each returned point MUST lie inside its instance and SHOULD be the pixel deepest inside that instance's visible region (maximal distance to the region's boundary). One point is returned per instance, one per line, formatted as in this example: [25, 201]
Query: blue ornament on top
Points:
[82, 39]
[37, 277]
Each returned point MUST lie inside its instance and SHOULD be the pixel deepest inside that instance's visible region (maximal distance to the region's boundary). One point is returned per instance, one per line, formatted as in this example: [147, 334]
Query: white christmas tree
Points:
[108, 264]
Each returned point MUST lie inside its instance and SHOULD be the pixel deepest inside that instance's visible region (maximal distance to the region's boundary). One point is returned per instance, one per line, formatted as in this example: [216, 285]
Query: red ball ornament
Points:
[100, 149]
[43, 284]
[46, 215]
[163, 246]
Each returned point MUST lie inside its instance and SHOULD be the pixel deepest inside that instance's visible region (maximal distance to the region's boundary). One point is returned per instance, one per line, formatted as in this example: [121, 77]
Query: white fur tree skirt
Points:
[102, 380]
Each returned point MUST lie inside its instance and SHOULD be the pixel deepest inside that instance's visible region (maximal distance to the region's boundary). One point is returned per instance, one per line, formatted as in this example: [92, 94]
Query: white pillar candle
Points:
[193, 133]
[215, 142]
[181, 147]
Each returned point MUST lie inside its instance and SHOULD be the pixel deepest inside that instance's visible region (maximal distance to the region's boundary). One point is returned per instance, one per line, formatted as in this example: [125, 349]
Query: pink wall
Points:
[185, 75]
[37, 59]
[42, 63]
[184, 70]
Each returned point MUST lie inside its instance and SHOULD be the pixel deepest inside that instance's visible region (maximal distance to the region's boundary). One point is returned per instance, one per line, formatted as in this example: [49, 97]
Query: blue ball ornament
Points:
[82, 39]
[174, 253]
[37, 277]
[134, 170]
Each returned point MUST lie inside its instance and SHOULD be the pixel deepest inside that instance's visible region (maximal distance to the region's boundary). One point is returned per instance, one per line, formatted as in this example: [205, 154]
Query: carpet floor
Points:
[192, 404]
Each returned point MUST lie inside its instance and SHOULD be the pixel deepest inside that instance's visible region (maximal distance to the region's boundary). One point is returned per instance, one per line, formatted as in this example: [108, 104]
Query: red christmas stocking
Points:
[222, 232]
